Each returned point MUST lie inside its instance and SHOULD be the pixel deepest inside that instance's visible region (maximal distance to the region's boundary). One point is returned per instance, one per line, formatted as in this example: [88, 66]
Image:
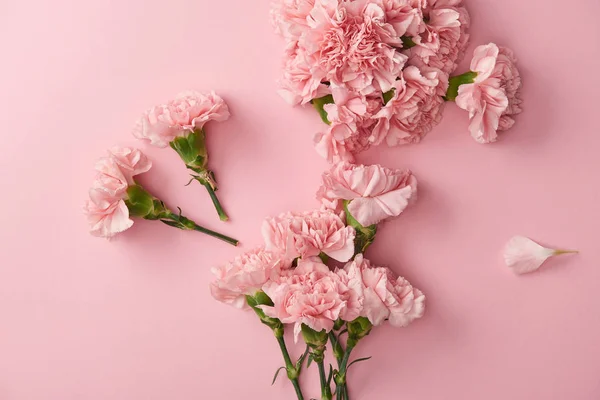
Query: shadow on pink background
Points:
[82, 318]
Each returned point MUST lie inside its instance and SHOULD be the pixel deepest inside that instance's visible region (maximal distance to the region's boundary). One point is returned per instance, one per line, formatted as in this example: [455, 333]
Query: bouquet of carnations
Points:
[312, 276]
[380, 71]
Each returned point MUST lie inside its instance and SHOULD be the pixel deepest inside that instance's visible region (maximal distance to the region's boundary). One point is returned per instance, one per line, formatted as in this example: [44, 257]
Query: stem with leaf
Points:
[192, 150]
[293, 370]
[142, 204]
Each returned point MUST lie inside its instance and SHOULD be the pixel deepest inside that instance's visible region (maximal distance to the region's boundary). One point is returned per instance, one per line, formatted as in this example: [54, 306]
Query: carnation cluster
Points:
[312, 276]
[380, 71]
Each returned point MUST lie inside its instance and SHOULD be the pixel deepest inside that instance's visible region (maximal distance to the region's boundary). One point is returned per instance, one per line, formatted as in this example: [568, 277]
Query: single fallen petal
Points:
[524, 255]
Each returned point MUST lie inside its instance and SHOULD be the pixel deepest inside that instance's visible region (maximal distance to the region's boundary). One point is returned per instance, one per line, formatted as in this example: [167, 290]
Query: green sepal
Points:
[139, 202]
[192, 150]
[365, 236]
[319, 105]
[261, 299]
[455, 82]
[314, 339]
[357, 330]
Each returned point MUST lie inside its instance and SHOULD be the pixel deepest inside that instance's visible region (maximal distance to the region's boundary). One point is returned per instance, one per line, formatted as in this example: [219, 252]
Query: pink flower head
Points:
[301, 82]
[351, 117]
[106, 210]
[495, 96]
[415, 108]
[190, 110]
[131, 162]
[245, 275]
[308, 234]
[289, 17]
[443, 38]
[374, 192]
[313, 295]
[353, 44]
[405, 18]
[523, 255]
[106, 215]
[386, 297]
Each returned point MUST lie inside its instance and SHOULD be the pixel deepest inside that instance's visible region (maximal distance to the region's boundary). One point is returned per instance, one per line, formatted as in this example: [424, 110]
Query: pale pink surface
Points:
[87, 319]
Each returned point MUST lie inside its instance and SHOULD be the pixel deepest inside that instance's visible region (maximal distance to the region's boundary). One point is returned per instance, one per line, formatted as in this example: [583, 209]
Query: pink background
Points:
[82, 318]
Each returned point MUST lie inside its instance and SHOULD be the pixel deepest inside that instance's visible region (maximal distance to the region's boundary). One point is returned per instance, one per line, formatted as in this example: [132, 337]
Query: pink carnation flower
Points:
[405, 18]
[245, 275]
[354, 45]
[289, 17]
[443, 39]
[131, 162]
[495, 96]
[313, 295]
[415, 108]
[374, 192]
[301, 82]
[106, 211]
[351, 117]
[190, 110]
[386, 297]
[308, 234]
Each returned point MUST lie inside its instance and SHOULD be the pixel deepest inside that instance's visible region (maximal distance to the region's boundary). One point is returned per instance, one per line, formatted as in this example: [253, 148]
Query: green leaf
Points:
[276, 374]
[407, 42]
[387, 96]
[330, 375]
[320, 103]
[313, 338]
[456, 81]
[357, 361]
[139, 202]
[172, 223]
[302, 358]
[310, 360]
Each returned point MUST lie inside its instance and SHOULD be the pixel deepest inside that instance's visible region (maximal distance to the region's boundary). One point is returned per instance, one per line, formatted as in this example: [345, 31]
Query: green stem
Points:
[341, 381]
[213, 196]
[455, 81]
[207, 180]
[325, 388]
[338, 352]
[181, 222]
[292, 371]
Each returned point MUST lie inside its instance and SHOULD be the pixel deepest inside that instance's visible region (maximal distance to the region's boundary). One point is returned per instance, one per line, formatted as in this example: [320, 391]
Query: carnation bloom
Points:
[374, 192]
[386, 297]
[106, 211]
[415, 108]
[443, 38]
[495, 96]
[354, 45]
[131, 162]
[523, 255]
[308, 234]
[313, 295]
[350, 117]
[289, 17]
[301, 82]
[405, 18]
[190, 110]
[245, 275]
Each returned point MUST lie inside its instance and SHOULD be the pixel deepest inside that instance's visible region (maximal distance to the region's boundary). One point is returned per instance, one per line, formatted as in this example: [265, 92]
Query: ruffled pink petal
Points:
[524, 255]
